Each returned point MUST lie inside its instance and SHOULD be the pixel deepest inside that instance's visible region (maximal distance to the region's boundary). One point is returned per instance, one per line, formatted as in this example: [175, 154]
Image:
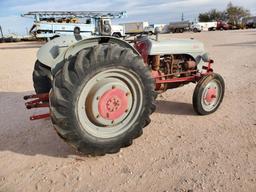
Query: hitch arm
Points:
[37, 101]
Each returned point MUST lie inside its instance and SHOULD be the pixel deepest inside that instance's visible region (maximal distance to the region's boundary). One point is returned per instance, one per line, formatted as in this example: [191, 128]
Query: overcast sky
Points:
[161, 11]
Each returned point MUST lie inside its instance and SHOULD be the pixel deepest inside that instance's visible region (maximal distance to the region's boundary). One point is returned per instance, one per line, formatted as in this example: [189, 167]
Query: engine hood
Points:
[175, 46]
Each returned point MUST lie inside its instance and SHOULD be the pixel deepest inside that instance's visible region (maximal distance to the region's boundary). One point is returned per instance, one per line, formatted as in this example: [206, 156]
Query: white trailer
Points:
[135, 27]
[49, 24]
[208, 26]
[50, 29]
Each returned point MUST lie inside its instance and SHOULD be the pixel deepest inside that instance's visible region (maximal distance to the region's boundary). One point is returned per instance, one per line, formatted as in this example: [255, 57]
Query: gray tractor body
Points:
[191, 47]
[54, 53]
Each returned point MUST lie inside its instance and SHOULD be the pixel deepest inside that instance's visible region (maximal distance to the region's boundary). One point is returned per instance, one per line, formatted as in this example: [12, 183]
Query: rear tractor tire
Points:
[208, 94]
[102, 99]
[41, 78]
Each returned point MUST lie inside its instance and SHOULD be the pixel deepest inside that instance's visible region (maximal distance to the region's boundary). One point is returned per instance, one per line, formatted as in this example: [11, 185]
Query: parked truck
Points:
[208, 26]
[50, 24]
[135, 27]
[180, 27]
[249, 22]
[222, 25]
[151, 29]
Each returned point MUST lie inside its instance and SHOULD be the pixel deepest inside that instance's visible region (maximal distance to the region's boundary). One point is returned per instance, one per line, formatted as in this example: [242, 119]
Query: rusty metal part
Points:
[174, 71]
[142, 48]
[42, 116]
[171, 75]
[158, 75]
[177, 80]
[190, 64]
[167, 62]
[172, 79]
[42, 96]
[156, 62]
[40, 101]
[175, 66]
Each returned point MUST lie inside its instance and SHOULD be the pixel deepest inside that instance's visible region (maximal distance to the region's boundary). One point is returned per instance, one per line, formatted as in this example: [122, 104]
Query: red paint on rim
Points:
[113, 104]
[211, 94]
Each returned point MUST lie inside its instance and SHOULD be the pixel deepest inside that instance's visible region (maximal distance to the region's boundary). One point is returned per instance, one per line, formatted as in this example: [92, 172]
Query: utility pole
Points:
[182, 17]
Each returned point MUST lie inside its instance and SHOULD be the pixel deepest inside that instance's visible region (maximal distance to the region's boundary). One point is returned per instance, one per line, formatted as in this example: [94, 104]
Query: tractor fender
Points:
[56, 52]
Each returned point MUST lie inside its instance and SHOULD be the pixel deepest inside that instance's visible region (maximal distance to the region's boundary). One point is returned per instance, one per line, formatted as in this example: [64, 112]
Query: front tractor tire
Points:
[208, 94]
[102, 99]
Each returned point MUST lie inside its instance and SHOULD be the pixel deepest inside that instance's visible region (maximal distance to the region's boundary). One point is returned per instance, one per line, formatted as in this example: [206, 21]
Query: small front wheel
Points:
[208, 94]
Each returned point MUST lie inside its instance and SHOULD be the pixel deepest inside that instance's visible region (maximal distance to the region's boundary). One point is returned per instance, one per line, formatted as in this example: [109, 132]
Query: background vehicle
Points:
[117, 31]
[222, 25]
[152, 28]
[195, 27]
[208, 26]
[249, 22]
[134, 28]
[101, 90]
[180, 27]
[49, 24]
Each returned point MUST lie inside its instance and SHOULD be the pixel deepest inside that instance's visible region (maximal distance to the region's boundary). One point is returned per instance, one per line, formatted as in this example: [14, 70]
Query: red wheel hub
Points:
[113, 104]
[211, 94]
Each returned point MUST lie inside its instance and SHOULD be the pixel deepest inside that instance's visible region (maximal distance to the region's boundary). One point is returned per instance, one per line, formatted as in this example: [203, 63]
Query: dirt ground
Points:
[179, 150]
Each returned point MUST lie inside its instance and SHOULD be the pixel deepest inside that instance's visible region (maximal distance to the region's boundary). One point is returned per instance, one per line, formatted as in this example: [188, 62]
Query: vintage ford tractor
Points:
[101, 90]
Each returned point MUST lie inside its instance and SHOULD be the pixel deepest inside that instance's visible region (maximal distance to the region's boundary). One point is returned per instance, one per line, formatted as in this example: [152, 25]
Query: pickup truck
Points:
[222, 25]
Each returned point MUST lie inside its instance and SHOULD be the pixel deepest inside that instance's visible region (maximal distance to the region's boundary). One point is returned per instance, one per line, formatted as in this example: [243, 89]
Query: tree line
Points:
[232, 14]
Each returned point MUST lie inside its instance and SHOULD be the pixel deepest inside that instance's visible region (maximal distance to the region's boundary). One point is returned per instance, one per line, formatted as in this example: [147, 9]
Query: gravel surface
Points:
[179, 151]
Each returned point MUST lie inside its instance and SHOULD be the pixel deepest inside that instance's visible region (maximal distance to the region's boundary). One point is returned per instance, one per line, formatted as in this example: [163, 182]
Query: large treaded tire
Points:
[68, 85]
[41, 78]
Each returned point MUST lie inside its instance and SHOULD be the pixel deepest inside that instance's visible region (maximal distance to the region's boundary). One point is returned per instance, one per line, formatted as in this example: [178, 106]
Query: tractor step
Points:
[37, 101]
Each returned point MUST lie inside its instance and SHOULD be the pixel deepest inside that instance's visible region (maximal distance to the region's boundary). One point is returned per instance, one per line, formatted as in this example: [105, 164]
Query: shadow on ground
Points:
[174, 108]
[20, 135]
